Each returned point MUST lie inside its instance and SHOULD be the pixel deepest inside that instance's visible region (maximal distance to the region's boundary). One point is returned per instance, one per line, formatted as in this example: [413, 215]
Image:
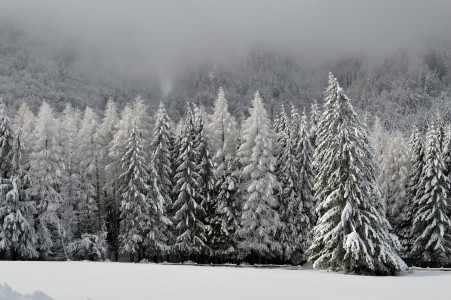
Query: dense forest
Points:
[211, 189]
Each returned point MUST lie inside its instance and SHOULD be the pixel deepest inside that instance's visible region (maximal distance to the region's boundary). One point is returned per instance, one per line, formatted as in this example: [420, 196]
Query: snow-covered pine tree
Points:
[26, 120]
[88, 158]
[224, 221]
[403, 228]
[288, 196]
[352, 233]
[161, 147]
[204, 167]
[47, 170]
[191, 232]
[116, 150]
[110, 213]
[260, 220]
[447, 153]
[17, 233]
[315, 115]
[140, 213]
[71, 188]
[6, 141]
[306, 217]
[395, 169]
[431, 231]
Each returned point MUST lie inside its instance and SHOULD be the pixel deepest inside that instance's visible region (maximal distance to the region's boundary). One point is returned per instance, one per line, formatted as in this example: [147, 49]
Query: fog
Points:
[138, 36]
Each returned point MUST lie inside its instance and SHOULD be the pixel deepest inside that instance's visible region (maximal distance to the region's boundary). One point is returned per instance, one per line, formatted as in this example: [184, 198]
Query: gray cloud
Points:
[140, 35]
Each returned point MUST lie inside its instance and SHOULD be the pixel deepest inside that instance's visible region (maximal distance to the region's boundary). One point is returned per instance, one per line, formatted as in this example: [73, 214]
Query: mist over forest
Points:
[393, 58]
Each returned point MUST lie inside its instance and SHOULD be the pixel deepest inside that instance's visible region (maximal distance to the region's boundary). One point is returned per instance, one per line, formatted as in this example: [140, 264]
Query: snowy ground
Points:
[124, 281]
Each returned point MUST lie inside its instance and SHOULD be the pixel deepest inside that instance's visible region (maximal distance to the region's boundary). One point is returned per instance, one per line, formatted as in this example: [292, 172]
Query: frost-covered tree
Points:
[140, 213]
[306, 218]
[17, 234]
[116, 150]
[6, 141]
[352, 233]
[190, 230]
[260, 220]
[224, 220]
[288, 195]
[71, 188]
[315, 115]
[203, 163]
[88, 157]
[395, 168]
[447, 152]
[404, 227]
[47, 170]
[110, 213]
[161, 158]
[431, 231]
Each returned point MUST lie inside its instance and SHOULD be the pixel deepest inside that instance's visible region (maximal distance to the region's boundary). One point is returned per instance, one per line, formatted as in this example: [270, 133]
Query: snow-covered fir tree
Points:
[224, 220]
[431, 231]
[116, 150]
[189, 213]
[260, 220]
[6, 141]
[88, 158]
[17, 233]
[315, 115]
[161, 158]
[306, 217]
[352, 233]
[403, 228]
[71, 188]
[110, 213]
[395, 168]
[140, 212]
[47, 170]
[203, 164]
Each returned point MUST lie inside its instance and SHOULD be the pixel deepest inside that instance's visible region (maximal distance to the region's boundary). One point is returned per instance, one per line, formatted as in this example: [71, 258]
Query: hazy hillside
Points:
[403, 88]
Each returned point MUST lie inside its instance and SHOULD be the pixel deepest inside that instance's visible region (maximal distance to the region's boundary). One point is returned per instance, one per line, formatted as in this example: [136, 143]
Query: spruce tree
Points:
[315, 115]
[352, 233]
[404, 227]
[88, 158]
[17, 234]
[47, 171]
[161, 158]
[224, 220]
[306, 217]
[110, 213]
[288, 196]
[116, 150]
[260, 220]
[189, 213]
[431, 229]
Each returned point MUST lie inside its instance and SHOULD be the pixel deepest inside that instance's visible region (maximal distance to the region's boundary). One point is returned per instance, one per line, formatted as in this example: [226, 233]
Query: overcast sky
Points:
[160, 34]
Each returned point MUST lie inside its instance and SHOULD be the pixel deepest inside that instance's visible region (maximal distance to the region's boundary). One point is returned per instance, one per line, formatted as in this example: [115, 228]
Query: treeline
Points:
[209, 190]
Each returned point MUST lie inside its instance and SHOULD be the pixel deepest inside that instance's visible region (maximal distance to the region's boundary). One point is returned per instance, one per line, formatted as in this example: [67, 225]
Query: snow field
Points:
[126, 281]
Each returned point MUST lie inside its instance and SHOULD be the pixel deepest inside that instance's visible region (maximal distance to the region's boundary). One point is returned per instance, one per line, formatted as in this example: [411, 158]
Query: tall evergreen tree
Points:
[431, 229]
[404, 227]
[6, 142]
[116, 150]
[140, 213]
[306, 217]
[189, 212]
[17, 234]
[315, 115]
[352, 233]
[395, 168]
[224, 220]
[260, 220]
[47, 171]
[88, 157]
[110, 205]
